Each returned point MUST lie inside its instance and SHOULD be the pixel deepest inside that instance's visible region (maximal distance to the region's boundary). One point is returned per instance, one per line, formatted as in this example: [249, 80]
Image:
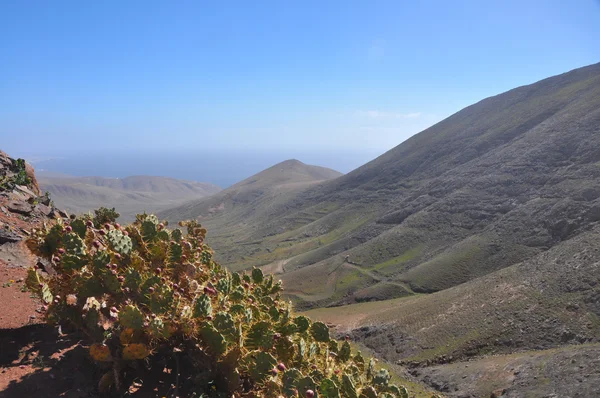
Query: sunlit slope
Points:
[549, 300]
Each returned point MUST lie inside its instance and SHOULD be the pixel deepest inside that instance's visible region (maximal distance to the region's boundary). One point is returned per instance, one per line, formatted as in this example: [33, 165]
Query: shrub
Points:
[105, 215]
[141, 289]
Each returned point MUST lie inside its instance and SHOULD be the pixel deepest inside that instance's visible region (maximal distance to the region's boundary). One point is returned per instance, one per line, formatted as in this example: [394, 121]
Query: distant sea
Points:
[220, 168]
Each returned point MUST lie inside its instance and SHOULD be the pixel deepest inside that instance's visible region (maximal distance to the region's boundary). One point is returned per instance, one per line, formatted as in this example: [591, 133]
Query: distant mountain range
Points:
[129, 195]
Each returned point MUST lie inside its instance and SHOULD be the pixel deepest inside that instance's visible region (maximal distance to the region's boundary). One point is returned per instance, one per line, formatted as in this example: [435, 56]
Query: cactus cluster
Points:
[136, 288]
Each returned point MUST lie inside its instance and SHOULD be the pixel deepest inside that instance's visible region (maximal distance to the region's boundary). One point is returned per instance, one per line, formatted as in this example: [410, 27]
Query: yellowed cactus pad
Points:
[100, 353]
[135, 351]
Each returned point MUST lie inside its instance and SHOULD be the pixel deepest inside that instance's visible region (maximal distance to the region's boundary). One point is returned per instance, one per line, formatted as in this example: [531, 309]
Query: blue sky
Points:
[269, 75]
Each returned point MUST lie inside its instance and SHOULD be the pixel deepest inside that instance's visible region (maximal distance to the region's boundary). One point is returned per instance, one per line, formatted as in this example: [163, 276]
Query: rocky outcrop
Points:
[17, 172]
[21, 204]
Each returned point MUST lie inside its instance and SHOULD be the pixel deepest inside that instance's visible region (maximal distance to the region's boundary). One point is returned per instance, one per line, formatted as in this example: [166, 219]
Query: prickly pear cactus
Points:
[119, 242]
[399, 392]
[100, 353]
[142, 290]
[320, 332]
[202, 306]
[382, 378]
[131, 317]
[348, 387]
[329, 389]
[135, 351]
[257, 275]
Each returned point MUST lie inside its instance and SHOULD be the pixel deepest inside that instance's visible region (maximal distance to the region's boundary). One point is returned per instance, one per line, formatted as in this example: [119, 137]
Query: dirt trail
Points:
[379, 278]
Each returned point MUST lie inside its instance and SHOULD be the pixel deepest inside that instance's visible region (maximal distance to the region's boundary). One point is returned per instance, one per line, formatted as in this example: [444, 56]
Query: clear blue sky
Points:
[276, 75]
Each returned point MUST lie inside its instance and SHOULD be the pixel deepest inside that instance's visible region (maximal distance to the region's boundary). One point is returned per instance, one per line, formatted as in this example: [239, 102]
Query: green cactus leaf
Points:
[133, 279]
[74, 245]
[398, 392]
[302, 323]
[176, 235]
[213, 339]
[320, 332]
[263, 364]
[359, 361]
[274, 313]
[224, 285]
[72, 262]
[202, 306]
[227, 369]
[301, 349]
[381, 378]
[149, 229]
[236, 280]
[175, 252]
[368, 392]
[344, 352]
[260, 335]
[348, 387]
[313, 350]
[46, 295]
[307, 383]
[79, 227]
[237, 309]
[156, 328]
[224, 323]
[290, 380]
[119, 242]
[329, 389]
[371, 369]
[131, 317]
[163, 235]
[237, 295]
[248, 314]
[257, 275]
[333, 346]
[285, 349]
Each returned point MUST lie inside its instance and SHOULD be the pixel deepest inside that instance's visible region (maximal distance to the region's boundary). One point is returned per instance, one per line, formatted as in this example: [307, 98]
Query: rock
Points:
[31, 174]
[25, 190]
[62, 213]
[7, 236]
[19, 196]
[46, 266]
[45, 200]
[20, 207]
[44, 209]
[497, 393]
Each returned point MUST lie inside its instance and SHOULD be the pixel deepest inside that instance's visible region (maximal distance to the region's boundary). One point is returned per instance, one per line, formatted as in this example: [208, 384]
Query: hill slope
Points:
[232, 211]
[492, 185]
[129, 195]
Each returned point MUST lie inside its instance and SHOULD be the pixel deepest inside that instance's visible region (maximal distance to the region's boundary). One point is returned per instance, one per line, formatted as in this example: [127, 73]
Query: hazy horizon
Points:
[216, 167]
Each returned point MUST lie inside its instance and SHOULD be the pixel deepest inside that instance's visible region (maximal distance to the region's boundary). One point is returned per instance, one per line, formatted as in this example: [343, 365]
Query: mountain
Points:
[254, 198]
[129, 195]
[492, 185]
